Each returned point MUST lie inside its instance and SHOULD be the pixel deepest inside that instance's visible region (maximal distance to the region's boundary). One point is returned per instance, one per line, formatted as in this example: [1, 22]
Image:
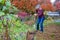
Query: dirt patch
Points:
[51, 32]
[31, 22]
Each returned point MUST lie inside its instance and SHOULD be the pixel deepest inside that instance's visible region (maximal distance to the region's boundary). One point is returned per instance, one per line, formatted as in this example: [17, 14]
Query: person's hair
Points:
[36, 10]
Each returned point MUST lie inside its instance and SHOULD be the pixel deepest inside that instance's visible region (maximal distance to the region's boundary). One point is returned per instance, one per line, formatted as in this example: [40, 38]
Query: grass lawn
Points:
[57, 23]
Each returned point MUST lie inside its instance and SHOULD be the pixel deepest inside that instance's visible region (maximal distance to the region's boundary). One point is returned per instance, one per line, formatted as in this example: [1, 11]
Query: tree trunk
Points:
[30, 36]
[5, 35]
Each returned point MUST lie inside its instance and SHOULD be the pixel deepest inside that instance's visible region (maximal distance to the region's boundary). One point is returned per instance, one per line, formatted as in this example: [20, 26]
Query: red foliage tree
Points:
[47, 5]
[30, 4]
[58, 5]
[24, 4]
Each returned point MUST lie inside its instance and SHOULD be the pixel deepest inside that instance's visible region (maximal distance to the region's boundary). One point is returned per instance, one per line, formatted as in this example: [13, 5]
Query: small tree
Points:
[6, 16]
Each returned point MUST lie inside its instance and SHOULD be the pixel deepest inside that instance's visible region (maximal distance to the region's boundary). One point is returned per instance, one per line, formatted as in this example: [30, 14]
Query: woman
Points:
[40, 20]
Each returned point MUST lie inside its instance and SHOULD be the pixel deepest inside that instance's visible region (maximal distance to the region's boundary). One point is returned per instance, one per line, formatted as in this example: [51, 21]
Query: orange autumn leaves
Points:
[33, 2]
[48, 7]
[17, 3]
[24, 4]
[30, 4]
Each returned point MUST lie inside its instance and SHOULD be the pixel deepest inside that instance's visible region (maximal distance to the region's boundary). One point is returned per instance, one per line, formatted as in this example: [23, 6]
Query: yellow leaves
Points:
[45, 12]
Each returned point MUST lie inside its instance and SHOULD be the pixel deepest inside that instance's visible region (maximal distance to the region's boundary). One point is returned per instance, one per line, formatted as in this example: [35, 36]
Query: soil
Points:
[51, 32]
